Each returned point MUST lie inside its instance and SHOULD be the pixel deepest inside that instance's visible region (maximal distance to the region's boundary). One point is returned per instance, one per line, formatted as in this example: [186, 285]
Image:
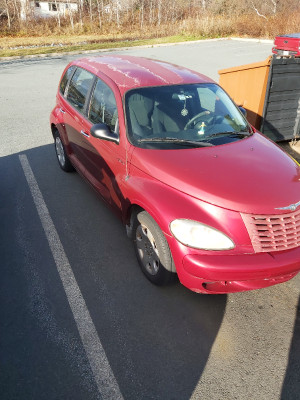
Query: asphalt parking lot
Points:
[78, 319]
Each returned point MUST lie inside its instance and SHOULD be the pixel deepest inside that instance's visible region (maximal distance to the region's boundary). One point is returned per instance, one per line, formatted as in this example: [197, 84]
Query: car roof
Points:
[130, 72]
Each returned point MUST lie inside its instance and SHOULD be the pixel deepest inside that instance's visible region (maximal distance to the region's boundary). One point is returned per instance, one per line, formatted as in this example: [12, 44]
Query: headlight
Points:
[200, 236]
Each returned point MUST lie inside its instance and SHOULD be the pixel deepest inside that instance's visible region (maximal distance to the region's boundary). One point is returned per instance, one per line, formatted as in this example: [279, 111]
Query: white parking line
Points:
[103, 374]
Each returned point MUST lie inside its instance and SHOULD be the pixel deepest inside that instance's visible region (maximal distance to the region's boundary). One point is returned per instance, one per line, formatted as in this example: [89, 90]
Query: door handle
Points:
[84, 134]
[62, 111]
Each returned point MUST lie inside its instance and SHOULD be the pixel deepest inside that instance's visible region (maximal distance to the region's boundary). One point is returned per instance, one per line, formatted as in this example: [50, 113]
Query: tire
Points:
[62, 158]
[152, 250]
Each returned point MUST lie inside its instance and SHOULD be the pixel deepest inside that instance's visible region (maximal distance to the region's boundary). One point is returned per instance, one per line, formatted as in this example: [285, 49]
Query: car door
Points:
[105, 161]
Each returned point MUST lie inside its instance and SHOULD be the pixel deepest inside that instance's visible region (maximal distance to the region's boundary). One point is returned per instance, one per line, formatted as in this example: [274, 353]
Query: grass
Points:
[45, 37]
[79, 43]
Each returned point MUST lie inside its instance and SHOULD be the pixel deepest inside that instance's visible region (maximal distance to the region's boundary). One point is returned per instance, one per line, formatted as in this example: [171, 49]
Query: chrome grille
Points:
[273, 232]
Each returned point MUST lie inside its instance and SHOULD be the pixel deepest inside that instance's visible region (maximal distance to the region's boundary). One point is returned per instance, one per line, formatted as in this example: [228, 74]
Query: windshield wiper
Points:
[241, 134]
[230, 133]
[177, 141]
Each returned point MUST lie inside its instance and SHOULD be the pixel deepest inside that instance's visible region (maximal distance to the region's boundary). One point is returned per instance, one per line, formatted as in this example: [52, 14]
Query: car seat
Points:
[140, 111]
[168, 115]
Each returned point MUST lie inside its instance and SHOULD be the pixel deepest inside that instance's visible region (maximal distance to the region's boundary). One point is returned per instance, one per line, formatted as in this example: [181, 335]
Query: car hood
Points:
[251, 175]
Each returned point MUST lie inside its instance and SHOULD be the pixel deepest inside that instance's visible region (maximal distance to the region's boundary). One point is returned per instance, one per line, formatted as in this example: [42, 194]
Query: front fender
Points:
[165, 204]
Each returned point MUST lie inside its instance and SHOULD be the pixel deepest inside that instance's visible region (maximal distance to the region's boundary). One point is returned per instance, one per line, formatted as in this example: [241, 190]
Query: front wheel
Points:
[62, 157]
[152, 250]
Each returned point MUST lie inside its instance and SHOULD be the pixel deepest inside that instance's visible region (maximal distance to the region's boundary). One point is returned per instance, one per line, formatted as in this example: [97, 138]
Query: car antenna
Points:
[126, 161]
[126, 145]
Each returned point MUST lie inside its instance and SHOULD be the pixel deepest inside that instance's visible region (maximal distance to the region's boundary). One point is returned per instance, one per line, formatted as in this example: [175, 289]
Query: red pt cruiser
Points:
[201, 192]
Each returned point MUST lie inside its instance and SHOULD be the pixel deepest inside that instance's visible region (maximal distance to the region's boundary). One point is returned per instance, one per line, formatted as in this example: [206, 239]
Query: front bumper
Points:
[218, 274]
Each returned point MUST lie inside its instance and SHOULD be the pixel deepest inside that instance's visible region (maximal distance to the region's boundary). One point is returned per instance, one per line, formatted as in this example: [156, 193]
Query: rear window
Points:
[65, 79]
[79, 87]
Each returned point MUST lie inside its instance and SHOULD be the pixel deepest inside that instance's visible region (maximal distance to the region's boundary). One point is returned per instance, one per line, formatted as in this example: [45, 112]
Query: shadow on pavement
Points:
[157, 340]
[291, 384]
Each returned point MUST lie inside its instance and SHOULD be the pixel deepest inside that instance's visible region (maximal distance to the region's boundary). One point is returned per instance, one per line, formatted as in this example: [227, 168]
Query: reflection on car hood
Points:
[252, 175]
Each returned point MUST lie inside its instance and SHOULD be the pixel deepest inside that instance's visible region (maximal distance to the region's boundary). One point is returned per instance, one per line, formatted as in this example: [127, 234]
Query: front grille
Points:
[273, 232]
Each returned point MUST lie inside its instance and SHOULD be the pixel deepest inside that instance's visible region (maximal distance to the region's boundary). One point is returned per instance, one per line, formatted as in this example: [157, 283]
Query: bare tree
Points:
[141, 7]
[91, 11]
[275, 3]
[257, 12]
[58, 14]
[99, 13]
[80, 6]
[117, 12]
[6, 3]
[266, 7]
[70, 15]
[17, 9]
[159, 12]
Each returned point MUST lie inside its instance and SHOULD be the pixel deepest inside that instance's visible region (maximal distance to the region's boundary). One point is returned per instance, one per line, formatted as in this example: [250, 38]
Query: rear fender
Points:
[57, 123]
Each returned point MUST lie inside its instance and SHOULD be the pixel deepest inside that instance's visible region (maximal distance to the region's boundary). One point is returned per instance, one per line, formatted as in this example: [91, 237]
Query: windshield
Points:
[178, 116]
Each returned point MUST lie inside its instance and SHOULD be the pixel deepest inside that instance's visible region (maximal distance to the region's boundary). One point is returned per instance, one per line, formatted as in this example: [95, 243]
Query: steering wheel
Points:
[199, 118]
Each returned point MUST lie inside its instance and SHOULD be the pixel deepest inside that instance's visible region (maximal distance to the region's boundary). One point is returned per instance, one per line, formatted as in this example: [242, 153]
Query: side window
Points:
[79, 87]
[52, 6]
[65, 79]
[103, 107]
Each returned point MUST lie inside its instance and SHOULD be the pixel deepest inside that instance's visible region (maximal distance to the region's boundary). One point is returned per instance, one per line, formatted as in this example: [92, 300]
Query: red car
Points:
[201, 192]
[287, 45]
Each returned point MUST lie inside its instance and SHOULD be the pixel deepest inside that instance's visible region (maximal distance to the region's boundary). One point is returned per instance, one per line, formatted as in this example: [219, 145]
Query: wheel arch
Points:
[130, 214]
[53, 129]
[130, 217]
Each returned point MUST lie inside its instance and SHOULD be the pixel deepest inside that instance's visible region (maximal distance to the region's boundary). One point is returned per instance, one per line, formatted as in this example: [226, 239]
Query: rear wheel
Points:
[152, 250]
[63, 159]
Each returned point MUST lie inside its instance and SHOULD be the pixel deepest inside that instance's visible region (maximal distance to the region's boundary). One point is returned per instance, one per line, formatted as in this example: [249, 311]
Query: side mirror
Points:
[243, 111]
[102, 131]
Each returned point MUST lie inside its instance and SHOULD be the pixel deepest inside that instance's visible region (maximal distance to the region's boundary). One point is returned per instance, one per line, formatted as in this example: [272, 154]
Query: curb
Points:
[269, 41]
[146, 46]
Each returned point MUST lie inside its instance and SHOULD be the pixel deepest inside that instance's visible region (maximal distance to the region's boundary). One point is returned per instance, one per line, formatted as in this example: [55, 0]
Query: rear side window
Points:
[79, 87]
[103, 107]
[65, 79]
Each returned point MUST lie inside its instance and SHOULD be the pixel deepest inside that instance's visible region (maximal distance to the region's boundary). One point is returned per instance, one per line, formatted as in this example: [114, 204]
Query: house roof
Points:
[130, 72]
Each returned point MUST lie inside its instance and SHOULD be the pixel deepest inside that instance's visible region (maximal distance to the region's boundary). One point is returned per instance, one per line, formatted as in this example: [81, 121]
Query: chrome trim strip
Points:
[291, 207]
